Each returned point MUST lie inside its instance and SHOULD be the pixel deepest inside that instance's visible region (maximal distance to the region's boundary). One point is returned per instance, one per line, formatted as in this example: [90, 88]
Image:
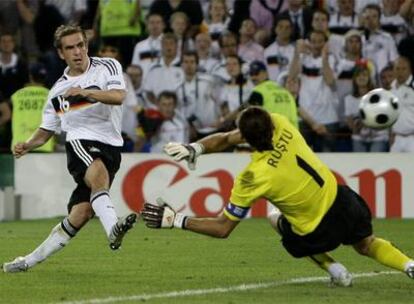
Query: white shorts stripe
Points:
[83, 157]
[83, 150]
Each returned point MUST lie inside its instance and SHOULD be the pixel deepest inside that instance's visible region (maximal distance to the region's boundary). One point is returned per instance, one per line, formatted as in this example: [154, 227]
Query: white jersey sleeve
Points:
[50, 119]
[114, 75]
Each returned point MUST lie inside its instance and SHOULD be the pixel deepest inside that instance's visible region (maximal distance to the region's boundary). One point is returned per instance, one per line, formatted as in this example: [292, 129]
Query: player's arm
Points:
[163, 216]
[213, 143]
[39, 138]
[112, 96]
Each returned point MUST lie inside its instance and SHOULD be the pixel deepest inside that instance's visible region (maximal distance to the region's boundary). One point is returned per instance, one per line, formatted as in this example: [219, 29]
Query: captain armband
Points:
[237, 211]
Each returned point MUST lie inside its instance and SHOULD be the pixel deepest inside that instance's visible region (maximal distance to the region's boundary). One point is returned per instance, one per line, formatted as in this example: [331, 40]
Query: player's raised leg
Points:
[97, 178]
[58, 238]
[385, 253]
[340, 276]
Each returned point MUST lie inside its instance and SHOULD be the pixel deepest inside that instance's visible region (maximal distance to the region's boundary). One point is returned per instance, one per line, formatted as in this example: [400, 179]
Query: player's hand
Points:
[180, 151]
[20, 149]
[161, 215]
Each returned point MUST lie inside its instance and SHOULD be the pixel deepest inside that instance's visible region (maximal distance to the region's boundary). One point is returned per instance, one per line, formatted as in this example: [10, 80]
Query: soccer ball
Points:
[379, 109]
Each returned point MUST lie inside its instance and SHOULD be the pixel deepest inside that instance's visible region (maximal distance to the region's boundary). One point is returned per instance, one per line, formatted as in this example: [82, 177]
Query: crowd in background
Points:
[188, 64]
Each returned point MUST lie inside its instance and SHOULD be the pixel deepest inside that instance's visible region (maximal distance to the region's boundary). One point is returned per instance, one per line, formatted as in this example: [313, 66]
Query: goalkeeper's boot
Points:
[17, 265]
[410, 271]
[343, 280]
[119, 229]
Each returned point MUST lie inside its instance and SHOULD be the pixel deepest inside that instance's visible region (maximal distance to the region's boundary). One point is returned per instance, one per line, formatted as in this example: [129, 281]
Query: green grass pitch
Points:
[173, 266]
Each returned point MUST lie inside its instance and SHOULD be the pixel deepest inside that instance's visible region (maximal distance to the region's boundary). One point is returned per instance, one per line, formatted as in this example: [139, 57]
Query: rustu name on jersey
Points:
[280, 148]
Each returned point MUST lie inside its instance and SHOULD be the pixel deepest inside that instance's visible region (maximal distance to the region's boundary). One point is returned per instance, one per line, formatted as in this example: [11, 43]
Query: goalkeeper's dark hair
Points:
[256, 127]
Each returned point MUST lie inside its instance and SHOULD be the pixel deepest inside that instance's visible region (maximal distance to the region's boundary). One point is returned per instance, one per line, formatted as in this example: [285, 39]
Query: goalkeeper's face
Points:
[74, 51]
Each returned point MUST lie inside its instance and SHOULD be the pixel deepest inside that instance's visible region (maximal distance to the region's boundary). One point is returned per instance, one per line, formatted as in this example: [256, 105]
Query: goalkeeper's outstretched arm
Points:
[221, 141]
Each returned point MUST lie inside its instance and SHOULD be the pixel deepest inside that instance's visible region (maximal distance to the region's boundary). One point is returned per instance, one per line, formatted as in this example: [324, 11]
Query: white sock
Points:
[58, 238]
[104, 209]
[336, 269]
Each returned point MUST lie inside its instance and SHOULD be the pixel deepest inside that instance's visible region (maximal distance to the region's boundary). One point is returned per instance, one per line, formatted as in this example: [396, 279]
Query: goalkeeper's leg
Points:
[385, 253]
[58, 238]
[339, 274]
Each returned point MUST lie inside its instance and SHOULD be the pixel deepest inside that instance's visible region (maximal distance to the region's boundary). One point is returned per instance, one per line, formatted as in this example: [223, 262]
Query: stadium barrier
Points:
[385, 180]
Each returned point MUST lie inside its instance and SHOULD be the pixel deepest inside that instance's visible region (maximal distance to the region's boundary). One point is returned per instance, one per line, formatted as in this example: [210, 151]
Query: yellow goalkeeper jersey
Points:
[291, 177]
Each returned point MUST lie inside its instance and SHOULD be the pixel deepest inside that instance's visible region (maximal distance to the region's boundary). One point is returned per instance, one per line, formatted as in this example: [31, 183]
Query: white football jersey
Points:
[82, 119]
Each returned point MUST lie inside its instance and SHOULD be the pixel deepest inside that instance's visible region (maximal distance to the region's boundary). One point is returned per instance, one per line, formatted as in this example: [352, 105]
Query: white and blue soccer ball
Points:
[379, 109]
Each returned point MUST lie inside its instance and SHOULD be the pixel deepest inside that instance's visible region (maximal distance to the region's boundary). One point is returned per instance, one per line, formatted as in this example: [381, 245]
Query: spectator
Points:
[174, 128]
[300, 16]
[228, 46]
[119, 25]
[148, 51]
[263, 12]
[236, 92]
[345, 19]
[348, 61]
[249, 50]
[387, 77]
[166, 74]
[135, 74]
[364, 139]
[204, 53]
[27, 13]
[129, 103]
[403, 88]
[5, 125]
[28, 104]
[317, 96]
[195, 98]
[217, 20]
[391, 20]
[179, 24]
[270, 96]
[320, 21]
[14, 73]
[192, 8]
[377, 44]
[279, 54]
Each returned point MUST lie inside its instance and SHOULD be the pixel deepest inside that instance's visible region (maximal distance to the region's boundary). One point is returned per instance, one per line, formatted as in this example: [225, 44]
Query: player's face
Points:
[283, 29]
[189, 65]
[402, 70]
[74, 51]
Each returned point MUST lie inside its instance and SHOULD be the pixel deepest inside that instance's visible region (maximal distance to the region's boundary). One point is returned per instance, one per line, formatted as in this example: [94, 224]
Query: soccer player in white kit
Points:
[86, 102]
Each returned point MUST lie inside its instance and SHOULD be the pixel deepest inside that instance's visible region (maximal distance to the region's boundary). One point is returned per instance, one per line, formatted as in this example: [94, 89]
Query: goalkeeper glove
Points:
[162, 215]
[189, 152]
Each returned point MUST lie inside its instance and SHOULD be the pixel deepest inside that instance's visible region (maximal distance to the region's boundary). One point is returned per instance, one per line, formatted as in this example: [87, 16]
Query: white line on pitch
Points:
[197, 292]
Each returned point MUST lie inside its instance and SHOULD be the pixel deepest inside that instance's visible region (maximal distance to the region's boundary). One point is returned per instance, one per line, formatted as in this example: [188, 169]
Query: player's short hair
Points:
[374, 7]
[66, 30]
[256, 127]
[169, 36]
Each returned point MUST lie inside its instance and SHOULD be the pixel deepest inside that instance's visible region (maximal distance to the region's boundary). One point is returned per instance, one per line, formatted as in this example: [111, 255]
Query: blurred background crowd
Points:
[190, 65]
